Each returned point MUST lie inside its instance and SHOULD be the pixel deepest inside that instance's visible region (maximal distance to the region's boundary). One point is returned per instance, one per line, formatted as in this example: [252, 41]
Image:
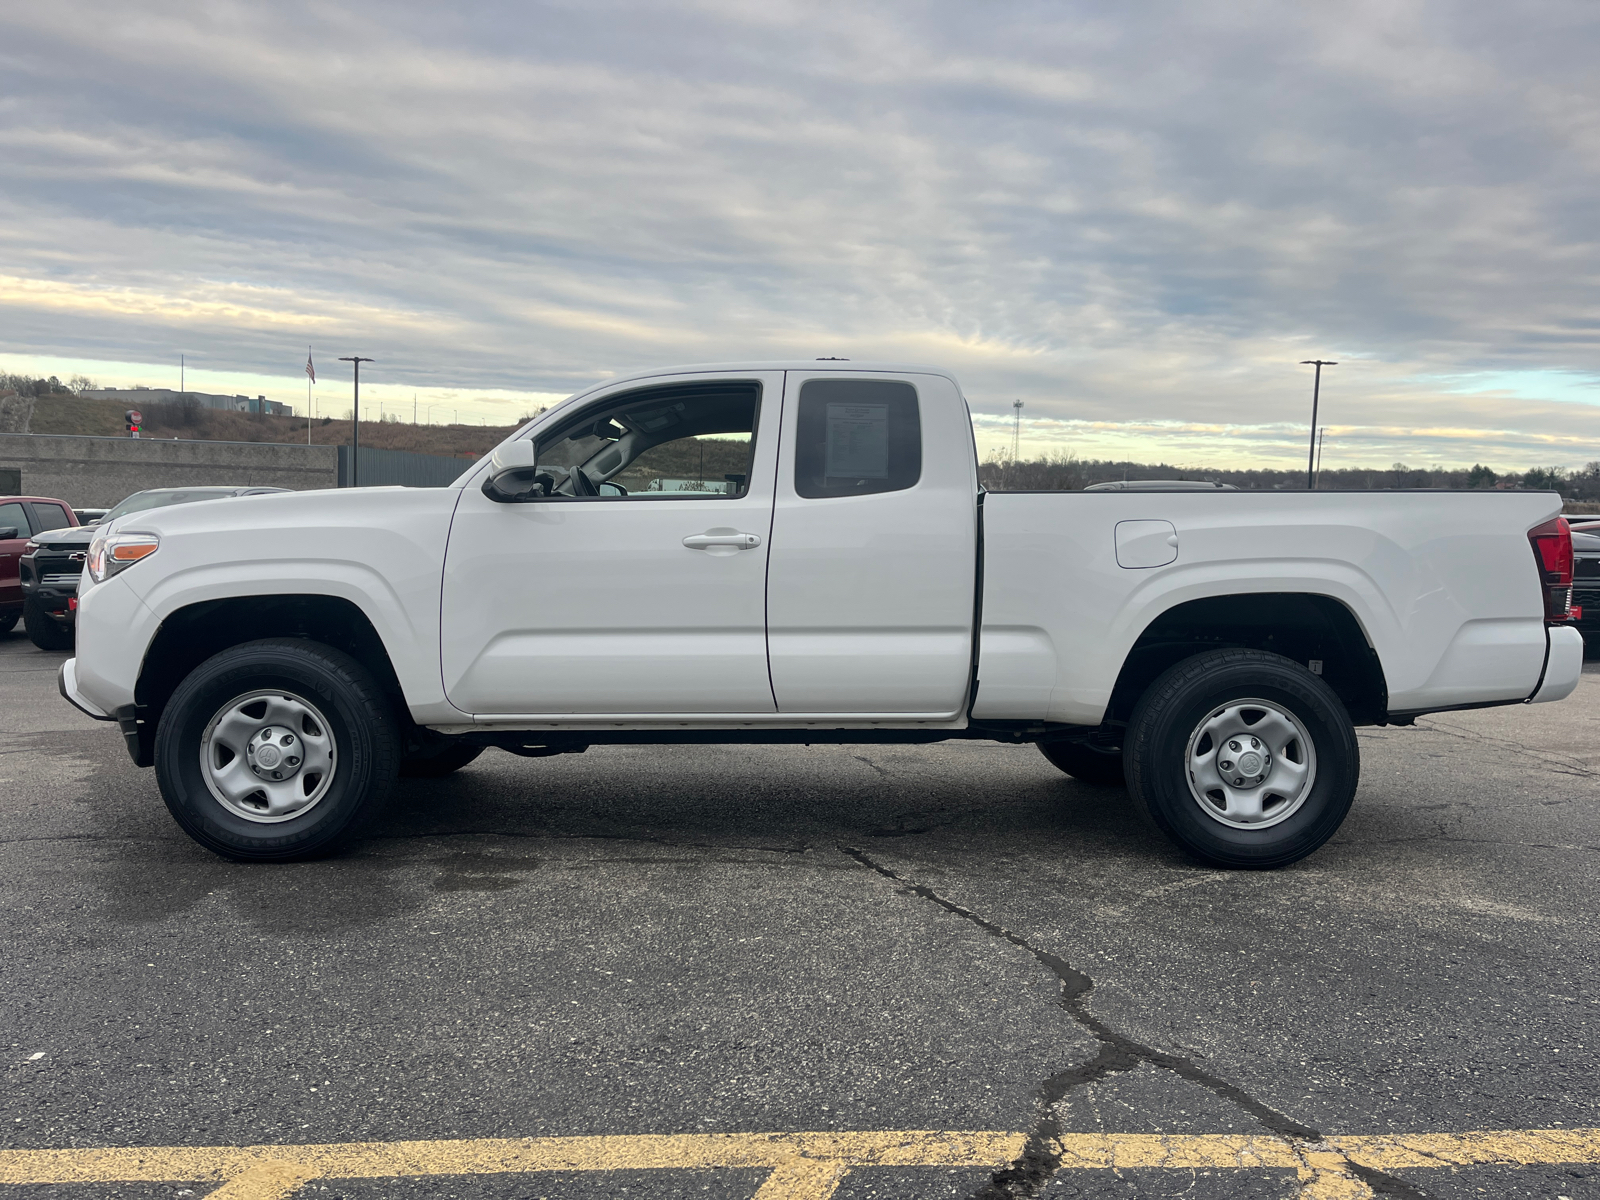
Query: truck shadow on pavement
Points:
[487, 828]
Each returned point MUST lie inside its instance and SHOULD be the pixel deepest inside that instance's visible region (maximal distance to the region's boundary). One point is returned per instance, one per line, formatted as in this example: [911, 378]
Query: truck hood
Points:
[76, 535]
[336, 508]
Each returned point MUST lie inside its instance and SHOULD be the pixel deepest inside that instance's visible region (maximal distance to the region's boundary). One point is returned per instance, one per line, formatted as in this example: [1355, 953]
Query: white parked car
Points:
[840, 577]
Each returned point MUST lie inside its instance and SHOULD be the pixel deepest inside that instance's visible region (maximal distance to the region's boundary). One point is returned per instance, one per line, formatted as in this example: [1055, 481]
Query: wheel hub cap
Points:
[1251, 764]
[268, 756]
[272, 753]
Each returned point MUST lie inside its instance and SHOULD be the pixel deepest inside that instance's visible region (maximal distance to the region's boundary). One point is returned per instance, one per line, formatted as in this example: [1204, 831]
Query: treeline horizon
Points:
[1069, 473]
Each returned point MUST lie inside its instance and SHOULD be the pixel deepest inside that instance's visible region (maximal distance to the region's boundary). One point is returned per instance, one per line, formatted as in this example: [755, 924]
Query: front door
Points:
[14, 534]
[871, 590]
[632, 581]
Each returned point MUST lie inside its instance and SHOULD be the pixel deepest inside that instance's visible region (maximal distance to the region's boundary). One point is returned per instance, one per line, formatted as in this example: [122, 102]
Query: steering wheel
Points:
[582, 485]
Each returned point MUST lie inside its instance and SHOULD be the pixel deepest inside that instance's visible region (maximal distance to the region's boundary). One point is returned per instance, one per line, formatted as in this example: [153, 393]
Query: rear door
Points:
[871, 580]
[13, 520]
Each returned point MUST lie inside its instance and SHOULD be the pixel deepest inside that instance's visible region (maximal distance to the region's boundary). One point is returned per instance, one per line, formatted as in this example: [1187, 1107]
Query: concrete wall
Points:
[96, 472]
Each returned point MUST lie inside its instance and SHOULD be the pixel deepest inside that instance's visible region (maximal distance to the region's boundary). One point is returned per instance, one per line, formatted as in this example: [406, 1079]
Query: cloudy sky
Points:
[1135, 218]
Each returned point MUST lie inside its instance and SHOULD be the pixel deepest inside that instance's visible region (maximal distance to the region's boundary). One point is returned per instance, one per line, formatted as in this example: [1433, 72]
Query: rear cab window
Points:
[856, 437]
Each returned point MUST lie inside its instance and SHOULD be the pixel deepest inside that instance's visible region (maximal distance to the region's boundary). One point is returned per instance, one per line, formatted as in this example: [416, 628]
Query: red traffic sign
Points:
[135, 416]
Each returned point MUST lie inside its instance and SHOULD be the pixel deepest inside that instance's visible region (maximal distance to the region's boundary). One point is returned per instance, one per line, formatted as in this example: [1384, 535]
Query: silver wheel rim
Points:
[268, 756]
[1251, 764]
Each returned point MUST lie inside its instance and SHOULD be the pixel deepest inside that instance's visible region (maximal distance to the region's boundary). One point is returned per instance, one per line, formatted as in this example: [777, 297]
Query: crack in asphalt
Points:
[1553, 761]
[863, 759]
[1040, 1159]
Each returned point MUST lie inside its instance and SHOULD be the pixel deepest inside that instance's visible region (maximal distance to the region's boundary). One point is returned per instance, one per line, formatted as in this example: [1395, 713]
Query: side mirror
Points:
[511, 472]
[7, 532]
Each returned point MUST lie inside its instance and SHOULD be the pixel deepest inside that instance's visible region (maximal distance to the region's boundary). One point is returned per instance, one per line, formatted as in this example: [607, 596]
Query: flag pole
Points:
[311, 378]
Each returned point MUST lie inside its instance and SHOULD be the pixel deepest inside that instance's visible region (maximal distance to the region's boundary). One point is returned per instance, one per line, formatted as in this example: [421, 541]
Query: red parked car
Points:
[20, 518]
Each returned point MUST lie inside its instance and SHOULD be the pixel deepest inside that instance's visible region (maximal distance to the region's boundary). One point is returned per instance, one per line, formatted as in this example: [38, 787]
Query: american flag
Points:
[310, 370]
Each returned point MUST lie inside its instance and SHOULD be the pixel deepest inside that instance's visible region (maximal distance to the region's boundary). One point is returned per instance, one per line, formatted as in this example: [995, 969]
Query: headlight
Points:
[30, 547]
[111, 553]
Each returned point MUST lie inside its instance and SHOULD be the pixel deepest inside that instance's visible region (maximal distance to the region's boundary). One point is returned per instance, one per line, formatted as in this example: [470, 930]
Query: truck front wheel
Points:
[1243, 758]
[44, 630]
[276, 750]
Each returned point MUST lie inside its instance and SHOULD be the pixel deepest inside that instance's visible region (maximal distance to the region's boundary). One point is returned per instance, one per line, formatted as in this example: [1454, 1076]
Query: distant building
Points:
[133, 397]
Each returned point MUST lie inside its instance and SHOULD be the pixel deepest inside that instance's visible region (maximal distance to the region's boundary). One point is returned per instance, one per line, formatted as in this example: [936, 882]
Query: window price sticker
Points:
[858, 441]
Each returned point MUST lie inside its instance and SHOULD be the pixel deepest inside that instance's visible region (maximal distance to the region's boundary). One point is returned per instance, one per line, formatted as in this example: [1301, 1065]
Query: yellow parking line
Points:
[800, 1166]
[1516, 1147]
[265, 1181]
[367, 1160]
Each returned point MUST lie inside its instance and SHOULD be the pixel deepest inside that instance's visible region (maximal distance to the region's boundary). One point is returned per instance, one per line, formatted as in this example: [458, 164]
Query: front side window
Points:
[855, 437]
[684, 441]
[12, 516]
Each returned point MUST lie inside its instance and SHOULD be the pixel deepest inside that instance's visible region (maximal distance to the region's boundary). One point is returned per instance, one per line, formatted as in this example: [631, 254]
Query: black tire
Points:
[8, 623]
[360, 720]
[1176, 706]
[1087, 762]
[445, 760]
[44, 630]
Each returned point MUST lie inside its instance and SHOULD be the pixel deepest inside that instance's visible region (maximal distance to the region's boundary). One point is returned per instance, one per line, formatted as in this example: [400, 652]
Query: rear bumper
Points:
[1563, 668]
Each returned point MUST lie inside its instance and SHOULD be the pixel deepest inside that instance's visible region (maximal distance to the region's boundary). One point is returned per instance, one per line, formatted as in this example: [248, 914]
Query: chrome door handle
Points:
[739, 541]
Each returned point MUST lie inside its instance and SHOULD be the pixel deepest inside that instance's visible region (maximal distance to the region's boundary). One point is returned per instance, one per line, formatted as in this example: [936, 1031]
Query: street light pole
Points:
[1316, 395]
[355, 449]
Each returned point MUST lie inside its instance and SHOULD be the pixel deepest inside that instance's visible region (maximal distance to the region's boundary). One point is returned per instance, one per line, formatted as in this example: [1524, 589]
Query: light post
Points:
[428, 420]
[1316, 394]
[355, 450]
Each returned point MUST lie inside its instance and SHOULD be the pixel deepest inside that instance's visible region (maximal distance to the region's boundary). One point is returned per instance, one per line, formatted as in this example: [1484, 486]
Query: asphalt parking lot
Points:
[728, 971]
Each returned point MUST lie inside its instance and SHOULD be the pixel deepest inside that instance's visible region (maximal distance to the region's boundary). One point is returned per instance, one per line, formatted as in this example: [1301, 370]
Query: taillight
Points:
[1552, 550]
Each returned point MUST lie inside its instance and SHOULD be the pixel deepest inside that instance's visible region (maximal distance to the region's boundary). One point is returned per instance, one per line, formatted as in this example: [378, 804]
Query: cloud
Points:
[1133, 217]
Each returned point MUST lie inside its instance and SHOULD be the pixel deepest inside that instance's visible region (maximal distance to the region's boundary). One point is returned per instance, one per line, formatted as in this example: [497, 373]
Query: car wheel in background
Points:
[1087, 762]
[1243, 758]
[44, 630]
[8, 623]
[441, 761]
[276, 750]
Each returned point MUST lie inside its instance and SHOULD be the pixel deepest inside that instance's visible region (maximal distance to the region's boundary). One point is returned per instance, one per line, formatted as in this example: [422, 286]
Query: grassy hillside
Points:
[104, 418]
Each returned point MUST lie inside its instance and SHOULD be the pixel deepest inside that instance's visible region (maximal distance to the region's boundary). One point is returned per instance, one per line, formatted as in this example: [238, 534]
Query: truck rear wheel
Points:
[1243, 758]
[1086, 762]
[276, 750]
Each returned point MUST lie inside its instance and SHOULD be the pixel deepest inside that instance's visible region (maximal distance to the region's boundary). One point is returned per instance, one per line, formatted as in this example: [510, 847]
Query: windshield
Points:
[160, 498]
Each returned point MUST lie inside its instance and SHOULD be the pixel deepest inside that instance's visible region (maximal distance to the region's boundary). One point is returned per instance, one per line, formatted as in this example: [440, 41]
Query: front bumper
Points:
[136, 732]
[67, 681]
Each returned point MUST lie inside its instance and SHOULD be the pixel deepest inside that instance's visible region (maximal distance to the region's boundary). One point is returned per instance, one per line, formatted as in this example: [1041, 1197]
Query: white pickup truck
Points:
[801, 552]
